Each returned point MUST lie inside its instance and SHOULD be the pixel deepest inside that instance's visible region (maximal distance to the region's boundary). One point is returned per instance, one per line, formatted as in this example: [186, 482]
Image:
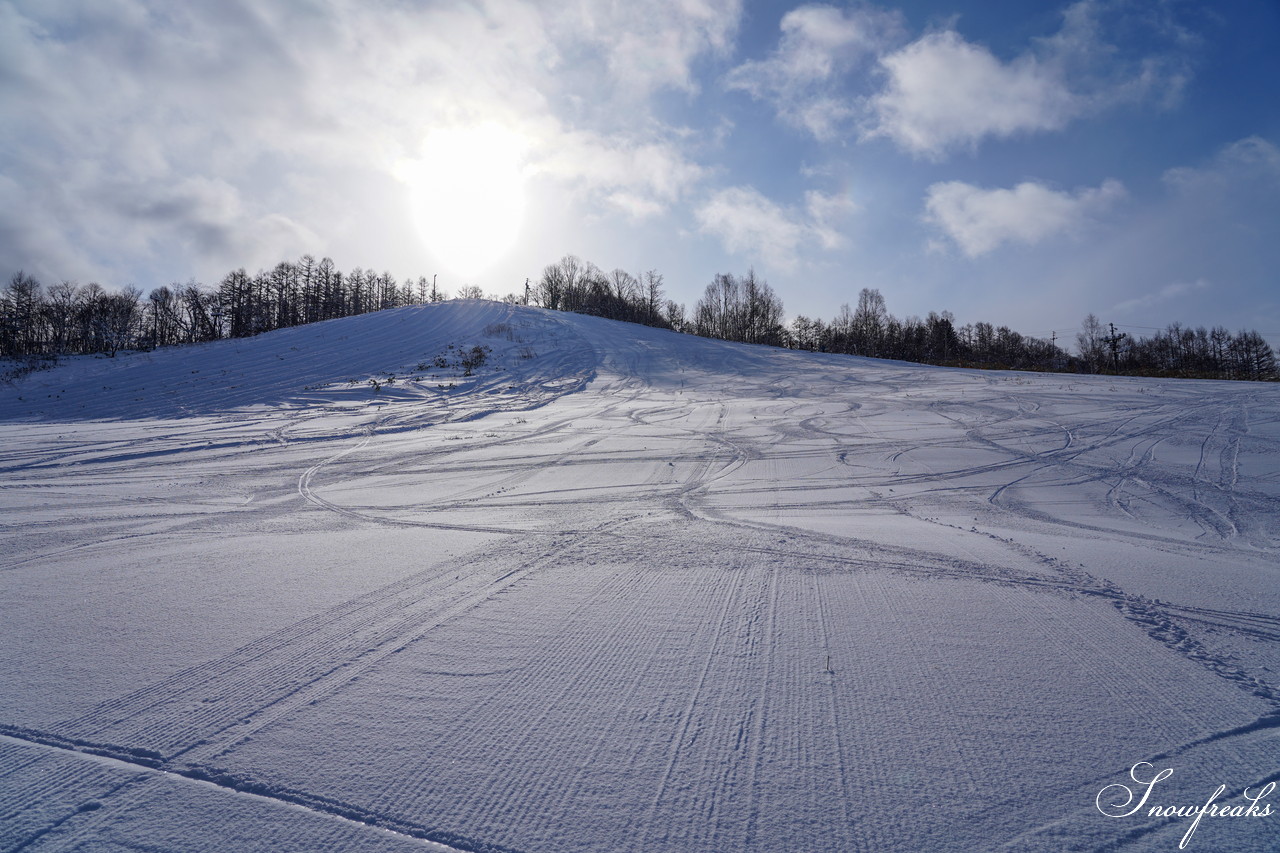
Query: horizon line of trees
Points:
[746, 309]
[581, 287]
[870, 330]
[1176, 350]
[69, 319]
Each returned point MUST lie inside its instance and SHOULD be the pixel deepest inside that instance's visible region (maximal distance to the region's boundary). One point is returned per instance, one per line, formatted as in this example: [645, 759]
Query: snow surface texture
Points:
[623, 590]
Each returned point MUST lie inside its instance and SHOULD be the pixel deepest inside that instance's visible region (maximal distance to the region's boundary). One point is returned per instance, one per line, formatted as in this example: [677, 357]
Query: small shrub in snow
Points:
[17, 368]
[474, 358]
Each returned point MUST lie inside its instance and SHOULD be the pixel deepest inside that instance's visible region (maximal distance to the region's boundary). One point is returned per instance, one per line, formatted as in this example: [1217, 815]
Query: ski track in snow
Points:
[620, 589]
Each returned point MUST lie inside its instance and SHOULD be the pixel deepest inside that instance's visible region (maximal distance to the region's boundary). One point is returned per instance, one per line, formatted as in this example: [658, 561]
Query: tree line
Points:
[1176, 350]
[70, 319]
[572, 284]
[65, 319]
[745, 308]
[870, 330]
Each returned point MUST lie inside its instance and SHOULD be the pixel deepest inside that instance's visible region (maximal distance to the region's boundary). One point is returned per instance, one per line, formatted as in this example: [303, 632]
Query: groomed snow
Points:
[624, 590]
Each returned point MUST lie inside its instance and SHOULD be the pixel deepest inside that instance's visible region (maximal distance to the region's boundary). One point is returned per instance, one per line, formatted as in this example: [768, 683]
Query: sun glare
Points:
[467, 195]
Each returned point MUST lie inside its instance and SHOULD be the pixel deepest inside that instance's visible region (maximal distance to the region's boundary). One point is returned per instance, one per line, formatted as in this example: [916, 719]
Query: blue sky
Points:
[1016, 162]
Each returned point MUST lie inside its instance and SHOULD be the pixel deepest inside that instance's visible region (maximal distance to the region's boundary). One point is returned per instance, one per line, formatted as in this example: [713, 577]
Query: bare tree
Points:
[626, 288]
[60, 308]
[868, 322]
[20, 308]
[1091, 341]
[651, 284]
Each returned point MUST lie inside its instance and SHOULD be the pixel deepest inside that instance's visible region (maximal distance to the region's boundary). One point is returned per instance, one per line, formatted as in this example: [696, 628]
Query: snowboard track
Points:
[719, 486]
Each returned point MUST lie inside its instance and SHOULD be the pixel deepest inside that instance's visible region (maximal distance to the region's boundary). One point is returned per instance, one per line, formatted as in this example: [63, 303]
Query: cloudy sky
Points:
[1008, 160]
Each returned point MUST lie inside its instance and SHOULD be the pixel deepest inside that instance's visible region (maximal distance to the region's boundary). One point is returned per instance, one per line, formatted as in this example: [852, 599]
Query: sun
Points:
[467, 195]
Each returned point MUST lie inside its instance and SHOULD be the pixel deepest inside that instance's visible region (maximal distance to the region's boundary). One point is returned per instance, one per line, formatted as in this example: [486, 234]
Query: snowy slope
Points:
[621, 589]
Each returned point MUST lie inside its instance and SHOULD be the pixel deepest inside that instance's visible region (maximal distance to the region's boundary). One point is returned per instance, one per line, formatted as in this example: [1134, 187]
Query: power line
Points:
[1073, 329]
[1184, 328]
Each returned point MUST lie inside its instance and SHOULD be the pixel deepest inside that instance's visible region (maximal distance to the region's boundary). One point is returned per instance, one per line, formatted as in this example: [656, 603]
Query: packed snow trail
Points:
[611, 588]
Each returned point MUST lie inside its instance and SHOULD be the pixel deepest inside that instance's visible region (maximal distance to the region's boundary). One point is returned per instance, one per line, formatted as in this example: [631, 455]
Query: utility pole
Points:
[526, 291]
[1113, 341]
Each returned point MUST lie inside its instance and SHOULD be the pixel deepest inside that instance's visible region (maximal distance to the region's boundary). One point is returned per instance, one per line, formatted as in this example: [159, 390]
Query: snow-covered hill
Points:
[506, 579]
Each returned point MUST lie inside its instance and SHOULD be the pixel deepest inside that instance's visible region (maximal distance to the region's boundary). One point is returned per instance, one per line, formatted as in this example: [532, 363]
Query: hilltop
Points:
[500, 578]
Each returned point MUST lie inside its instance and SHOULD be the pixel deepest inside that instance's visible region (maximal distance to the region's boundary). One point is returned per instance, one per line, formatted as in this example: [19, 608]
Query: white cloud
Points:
[1252, 160]
[818, 44]
[980, 220]
[1105, 76]
[650, 45]
[639, 178]
[1165, 294]
[825, 212]
[240, 122]
[634, 206]
[944, 91]
[750, 224]
[1213, 222]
